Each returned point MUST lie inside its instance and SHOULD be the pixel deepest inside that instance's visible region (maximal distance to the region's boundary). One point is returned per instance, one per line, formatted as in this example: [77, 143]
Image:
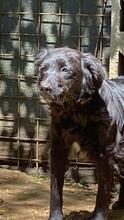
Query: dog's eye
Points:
[64, 69]
[42, 68]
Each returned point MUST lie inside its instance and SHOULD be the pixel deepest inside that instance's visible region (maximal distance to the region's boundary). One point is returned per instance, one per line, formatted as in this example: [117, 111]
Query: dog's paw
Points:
[56, 216]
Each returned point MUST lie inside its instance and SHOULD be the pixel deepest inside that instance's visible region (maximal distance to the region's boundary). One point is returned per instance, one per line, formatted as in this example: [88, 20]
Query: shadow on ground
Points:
[24, 197]
[81, 215]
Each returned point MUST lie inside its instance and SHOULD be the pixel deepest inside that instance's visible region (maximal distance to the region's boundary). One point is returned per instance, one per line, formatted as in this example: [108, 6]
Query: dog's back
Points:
[112, 92]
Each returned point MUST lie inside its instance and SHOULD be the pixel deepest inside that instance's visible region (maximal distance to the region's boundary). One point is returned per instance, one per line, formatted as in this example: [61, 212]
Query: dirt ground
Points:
[25, 197]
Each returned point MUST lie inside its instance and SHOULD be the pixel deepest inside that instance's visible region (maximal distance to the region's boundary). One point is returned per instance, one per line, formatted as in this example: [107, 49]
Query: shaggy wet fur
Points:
[88, 110]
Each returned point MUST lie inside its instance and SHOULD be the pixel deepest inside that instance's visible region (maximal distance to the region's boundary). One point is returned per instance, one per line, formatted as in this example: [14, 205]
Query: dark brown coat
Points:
[88, 109]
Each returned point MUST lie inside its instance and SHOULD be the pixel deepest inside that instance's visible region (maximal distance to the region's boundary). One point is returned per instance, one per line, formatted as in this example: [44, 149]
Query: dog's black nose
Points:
[45, 88]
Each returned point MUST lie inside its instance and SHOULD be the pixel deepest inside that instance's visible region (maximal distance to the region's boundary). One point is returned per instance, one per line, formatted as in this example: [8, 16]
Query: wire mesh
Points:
[26, 27]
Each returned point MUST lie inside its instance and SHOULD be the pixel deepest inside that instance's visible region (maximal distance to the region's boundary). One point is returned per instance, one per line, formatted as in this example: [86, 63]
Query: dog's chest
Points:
[81, 125]
[79, 128]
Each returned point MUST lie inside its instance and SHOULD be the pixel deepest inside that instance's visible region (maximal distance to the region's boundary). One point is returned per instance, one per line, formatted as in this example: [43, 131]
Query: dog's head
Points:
[68, 76]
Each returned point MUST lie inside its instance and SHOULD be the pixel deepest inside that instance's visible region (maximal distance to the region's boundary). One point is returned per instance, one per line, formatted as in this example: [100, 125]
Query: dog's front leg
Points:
[105, 178]
[58, 158]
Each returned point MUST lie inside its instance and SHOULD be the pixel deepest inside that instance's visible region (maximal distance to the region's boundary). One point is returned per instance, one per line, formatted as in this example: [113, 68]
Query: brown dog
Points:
[88, 109]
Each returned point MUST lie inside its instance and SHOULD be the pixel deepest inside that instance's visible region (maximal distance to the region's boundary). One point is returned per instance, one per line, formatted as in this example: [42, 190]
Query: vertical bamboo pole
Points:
[37, 105]
[101, 35]
[60, 23]
[80, 24]
[18, 85]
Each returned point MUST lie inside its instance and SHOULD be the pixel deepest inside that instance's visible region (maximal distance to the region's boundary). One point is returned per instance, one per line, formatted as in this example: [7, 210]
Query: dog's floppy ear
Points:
[95, 69]
[39, 58]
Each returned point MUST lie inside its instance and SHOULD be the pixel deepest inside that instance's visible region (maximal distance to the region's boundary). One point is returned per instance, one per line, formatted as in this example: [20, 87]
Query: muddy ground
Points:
[25, 197]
